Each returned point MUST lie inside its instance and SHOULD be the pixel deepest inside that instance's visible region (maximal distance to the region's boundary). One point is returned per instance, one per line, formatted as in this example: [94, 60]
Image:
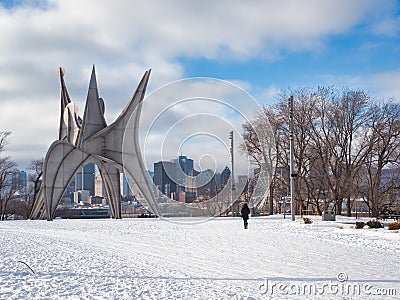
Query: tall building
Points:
[226, 173]
[171, 176]
[164, 175]
[81, 196]
[69, 192]
[98, 186]
[183, 167]
[178, 179]
[126, 189]
[85, 178]
[183, 163]
[19, 181]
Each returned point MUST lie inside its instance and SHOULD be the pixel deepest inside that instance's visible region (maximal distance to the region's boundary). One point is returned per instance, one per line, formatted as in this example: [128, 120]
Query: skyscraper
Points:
[184, 163]
[226, 173]
[164, 177]
[19, 181]
[98, 186]
[85, 179]
[69, 192]
[183, 166]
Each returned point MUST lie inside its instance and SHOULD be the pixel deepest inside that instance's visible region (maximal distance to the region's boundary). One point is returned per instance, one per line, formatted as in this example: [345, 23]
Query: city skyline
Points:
[178, 179]
[263, 47]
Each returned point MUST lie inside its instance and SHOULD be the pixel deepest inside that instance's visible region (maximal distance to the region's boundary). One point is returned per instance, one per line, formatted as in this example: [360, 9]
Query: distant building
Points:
[183, 163]
[84, 179]
[178, 179]
[191, 182]
[81, 196]
[226, 173]
[242, 182]
[96, 200]
[164, 173]
[390, 176]
[182, 197]
[19, 182]
[205, 178]
[183, 167]
[99, 187]
[391, 179]
[70, 190]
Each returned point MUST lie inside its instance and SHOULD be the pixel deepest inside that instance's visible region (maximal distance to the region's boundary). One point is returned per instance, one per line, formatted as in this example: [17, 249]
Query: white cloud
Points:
[266, 96]
[387, 84]
[390, 27]
[386, 22]
[124, 38]
[378, 85]
[179, 114]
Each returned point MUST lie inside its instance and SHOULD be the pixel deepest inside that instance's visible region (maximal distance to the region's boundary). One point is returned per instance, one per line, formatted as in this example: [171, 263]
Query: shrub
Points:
[394, 226]
[374, 224]
[360, 225]
[307, 220]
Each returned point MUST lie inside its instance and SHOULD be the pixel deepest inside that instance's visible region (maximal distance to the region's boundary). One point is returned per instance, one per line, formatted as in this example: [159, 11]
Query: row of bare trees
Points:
[6, 168]
[10, 201]
[344, 145]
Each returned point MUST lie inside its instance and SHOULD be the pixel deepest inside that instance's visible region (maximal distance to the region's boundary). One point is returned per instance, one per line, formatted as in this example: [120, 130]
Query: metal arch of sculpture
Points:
[90, 140]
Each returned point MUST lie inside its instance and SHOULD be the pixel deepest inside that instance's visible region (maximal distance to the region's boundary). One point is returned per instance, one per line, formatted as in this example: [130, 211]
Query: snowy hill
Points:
[217, 259]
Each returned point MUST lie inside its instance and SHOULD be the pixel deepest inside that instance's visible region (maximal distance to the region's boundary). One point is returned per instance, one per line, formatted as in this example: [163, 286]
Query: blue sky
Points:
[263, 46]
[356, 53]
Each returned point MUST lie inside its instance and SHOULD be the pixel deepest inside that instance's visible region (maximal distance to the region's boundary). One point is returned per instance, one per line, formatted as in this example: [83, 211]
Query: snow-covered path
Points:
[217, 259]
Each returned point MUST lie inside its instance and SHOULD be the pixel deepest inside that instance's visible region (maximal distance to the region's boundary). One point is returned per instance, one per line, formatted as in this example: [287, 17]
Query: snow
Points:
[217, 259]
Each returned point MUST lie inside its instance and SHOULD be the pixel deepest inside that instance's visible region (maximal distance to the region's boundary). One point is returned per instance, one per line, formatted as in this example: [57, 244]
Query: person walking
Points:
[245, 214]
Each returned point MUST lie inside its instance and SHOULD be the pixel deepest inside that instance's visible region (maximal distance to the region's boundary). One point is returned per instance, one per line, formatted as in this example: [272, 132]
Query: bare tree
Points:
[339, 130]
[345, 147]
[277, 116]
[331, 143]
[6, 169]
[35, 178]
[306, 160]
[265, 151]
[352, 119]
[384, 142]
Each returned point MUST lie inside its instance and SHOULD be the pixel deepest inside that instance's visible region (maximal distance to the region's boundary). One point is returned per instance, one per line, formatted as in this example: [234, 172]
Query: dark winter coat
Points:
[245, 212]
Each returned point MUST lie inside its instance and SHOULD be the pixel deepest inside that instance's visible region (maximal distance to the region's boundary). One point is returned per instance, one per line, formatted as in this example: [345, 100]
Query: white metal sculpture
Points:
[90, 140]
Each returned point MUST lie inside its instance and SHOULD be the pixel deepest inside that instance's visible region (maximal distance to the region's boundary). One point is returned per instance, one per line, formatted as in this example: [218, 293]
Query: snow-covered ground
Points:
[156, 259]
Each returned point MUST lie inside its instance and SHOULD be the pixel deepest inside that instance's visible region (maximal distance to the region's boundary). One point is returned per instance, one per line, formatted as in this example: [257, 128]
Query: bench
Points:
[390, 216]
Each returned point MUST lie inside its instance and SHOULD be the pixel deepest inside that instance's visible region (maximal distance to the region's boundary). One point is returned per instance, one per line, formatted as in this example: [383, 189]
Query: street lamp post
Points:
[232, 171]
[292, 173]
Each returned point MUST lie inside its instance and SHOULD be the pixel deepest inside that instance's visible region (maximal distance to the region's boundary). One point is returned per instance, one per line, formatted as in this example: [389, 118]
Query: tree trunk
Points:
[3, 209]
[348, 204]
[318, 209]
[375, 210]
[339, 206]
[271, 200]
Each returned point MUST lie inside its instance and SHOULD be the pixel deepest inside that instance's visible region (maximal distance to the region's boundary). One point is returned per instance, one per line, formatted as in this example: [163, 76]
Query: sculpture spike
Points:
[65, 100]
[93, 118]
[70, 127]
[112, 136]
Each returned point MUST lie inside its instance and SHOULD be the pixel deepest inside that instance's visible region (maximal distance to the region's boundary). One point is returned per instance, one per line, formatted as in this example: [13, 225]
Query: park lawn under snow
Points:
[157, 259]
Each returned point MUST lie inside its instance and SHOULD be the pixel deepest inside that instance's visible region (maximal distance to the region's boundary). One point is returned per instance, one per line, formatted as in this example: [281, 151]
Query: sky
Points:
[261, 46]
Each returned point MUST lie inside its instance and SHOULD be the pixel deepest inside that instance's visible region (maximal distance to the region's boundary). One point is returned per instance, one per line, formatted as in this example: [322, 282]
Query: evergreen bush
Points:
[374, 224]
[360, 225]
